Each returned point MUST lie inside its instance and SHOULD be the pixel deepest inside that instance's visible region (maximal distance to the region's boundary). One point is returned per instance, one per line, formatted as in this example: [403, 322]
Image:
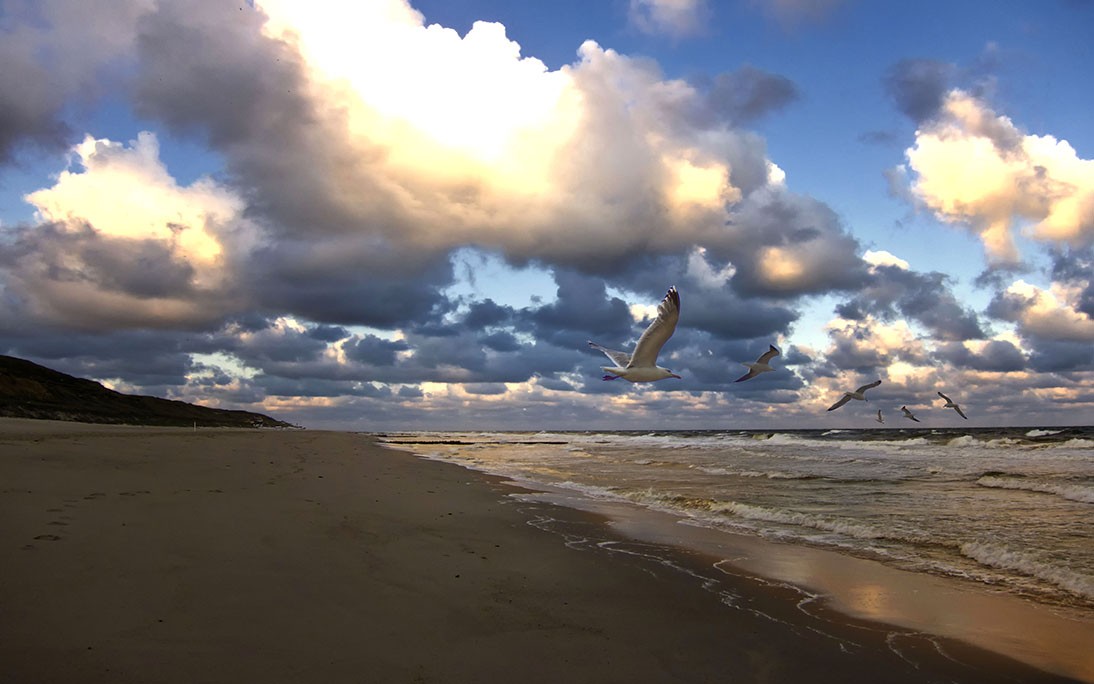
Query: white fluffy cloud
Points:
[121, 243]
[977, 168]
[471, 143]
[1051, 314]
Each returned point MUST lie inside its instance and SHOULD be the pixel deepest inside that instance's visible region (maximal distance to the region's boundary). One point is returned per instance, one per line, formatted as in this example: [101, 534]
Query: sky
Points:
[403, 215]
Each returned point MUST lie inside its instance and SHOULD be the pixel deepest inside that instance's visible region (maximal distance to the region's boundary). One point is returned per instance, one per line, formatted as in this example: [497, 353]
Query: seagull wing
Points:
[873, 384]
[750, 374]
[948, 400]
[662, 328]
[959, 411]
[846, 398]
[619, 358]
[768, 355]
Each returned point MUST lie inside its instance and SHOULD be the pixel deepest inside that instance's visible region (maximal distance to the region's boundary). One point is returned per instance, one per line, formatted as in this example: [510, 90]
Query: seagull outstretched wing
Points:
[843, 400]
[619, 358]
[768, 355]
[873, 384]
[658, 332]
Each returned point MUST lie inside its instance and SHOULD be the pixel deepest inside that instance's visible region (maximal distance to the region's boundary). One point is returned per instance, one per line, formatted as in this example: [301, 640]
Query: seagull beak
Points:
[674, 375]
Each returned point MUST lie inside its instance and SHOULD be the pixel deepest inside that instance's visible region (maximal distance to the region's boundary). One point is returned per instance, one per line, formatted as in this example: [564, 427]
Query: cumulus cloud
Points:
[579, 166]
[976, 168]
[120, 243]
[1051, 314]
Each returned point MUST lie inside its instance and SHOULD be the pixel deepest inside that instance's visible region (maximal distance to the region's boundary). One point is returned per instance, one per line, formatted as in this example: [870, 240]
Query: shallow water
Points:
[1009, 509]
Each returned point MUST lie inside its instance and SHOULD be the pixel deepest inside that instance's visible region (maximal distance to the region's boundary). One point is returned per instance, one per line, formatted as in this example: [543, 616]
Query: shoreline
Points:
[159, 554]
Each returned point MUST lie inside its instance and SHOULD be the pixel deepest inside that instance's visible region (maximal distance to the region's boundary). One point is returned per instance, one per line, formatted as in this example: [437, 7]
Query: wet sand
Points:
[163, 555]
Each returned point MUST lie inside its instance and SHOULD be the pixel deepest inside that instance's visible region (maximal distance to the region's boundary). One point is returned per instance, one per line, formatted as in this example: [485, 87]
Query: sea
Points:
[1009, 509]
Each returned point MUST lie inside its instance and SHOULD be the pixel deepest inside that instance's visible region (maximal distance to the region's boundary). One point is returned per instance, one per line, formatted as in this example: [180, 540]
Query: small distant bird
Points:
[955, 407]
[641, 366]
[761, 365]
[860, 394]
[879, 418]
[908, 414]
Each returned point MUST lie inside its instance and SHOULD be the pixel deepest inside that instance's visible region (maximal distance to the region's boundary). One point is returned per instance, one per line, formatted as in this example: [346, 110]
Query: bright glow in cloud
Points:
[979, 169]
[1053, 313]
[471, 143]
[127, 192]
[883, 258]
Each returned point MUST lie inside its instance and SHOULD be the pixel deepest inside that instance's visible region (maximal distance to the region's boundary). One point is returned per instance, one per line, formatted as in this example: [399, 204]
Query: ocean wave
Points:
[1077, 443]
[1072, 491]
[1042, 433]
[996, 556]
[855, 530]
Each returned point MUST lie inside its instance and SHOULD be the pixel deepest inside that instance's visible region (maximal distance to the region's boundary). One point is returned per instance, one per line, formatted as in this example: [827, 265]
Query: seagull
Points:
[879, 418]
[860, 393]
[908, 414]
[955, 407]
[761, 365]
[641, 366]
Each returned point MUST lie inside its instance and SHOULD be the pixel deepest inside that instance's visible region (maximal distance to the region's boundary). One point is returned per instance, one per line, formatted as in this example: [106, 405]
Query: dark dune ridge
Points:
[28, 390]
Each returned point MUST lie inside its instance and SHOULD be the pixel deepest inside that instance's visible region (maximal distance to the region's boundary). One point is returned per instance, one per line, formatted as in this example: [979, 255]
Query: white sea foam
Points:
[1073, 491]
[1042, 433]
[996, 556]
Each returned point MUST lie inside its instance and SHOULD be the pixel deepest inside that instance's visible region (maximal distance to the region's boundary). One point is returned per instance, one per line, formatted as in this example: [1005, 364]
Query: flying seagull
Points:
[879, 418]
[860, 393]
[761, 365]
[641, 366]
[955, 407]
[908, 414]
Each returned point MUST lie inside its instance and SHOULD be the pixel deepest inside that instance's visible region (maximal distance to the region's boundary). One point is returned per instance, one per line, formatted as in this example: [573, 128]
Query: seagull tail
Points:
[610, 377]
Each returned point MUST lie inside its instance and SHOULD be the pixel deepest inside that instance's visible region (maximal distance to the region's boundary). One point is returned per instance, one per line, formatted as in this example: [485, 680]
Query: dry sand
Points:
[163, 555]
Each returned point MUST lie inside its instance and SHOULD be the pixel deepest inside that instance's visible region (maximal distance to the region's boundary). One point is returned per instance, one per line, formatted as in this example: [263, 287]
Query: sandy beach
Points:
[164, 555]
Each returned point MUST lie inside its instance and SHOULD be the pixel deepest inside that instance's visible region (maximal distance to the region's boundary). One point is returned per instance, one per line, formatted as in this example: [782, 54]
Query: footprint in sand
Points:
[48, 537]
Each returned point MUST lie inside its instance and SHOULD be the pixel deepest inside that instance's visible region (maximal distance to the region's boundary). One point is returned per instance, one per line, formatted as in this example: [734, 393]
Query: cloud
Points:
[792, 13]
[50, 51]
[120, 243]
[676, 18]
[999, 356]
[919, 86]
[893, 290]
[579, 166]
[1051, 314]
[977, 169]
[747, 94]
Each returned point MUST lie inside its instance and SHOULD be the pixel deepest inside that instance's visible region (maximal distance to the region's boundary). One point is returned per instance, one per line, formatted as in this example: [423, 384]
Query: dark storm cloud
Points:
[745, 95]
[346, 283]
[891, 292]
[51, 52]
[919, 86]
[145, 358]
[1054, 356]
[373, 350]
[583, 310]
[78, 278]
[997, 356]
[29, 112]
[501, 341]
[487, 313]
[822, 255]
